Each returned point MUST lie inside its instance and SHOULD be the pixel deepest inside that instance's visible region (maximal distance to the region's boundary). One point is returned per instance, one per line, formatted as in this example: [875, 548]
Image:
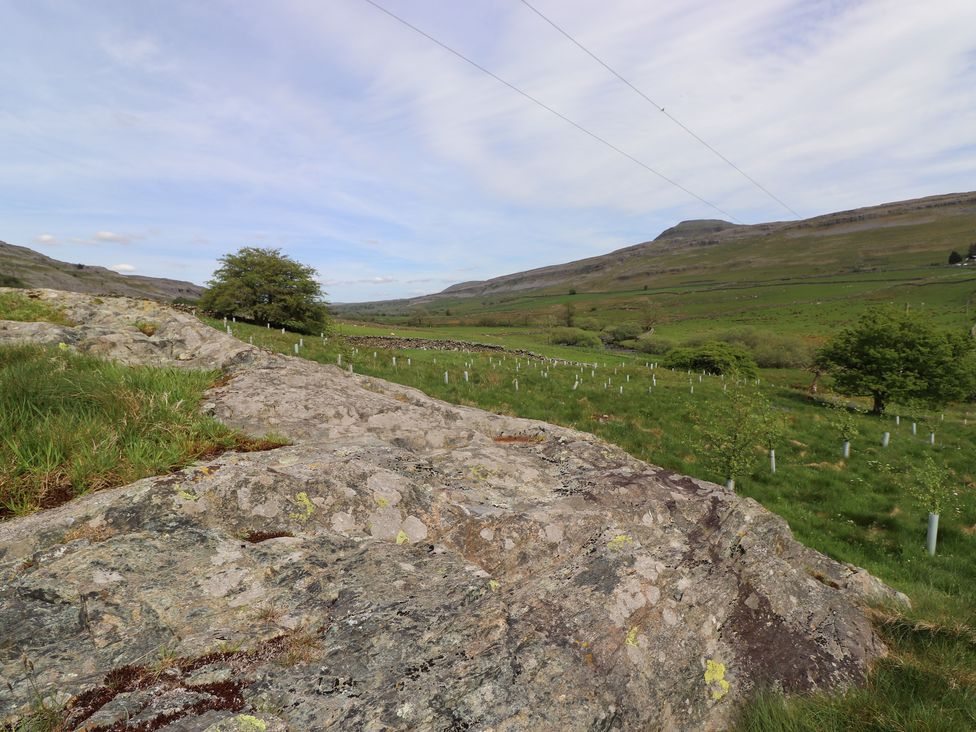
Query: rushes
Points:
[71, 423]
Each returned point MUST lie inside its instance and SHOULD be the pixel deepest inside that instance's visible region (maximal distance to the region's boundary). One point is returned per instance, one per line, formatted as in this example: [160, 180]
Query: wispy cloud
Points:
[110, 237]
[130, 51]
[366, 281]
[359, 147]
[122, 268]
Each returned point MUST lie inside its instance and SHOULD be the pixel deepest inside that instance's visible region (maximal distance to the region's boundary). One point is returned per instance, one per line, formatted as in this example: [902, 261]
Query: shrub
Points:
[769, 350]
[621, 332]
[650, 343]
[588, 323]
[575, 337]
[955, 258]
[713, 357]
[147, 329]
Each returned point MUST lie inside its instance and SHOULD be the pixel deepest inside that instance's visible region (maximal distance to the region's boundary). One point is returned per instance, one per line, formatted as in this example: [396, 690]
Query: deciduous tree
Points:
[889, 355]
[266, 286]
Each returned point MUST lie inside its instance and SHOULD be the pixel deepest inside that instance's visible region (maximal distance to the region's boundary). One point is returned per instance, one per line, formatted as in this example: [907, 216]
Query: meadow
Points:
[856, 510]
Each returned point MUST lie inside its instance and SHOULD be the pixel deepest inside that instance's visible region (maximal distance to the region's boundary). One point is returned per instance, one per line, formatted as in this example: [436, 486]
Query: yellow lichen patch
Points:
[381, 502]
[494, 585]
[619, 541]
[715, 678]
[401, 537]
[187, 496]
[306, 505]
[247, 723]
[479, 472]
[632, 637]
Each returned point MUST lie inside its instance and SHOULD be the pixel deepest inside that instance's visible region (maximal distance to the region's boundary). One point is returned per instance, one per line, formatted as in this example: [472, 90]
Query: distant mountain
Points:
[907, 233]
[23, 267]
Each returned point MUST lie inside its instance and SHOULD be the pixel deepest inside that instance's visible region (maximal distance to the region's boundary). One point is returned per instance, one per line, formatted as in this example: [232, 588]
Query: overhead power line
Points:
[661, 109]
[549, 109]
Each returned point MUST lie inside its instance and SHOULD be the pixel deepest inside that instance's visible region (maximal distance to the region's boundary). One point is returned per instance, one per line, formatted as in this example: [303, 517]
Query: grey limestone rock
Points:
[405, 564]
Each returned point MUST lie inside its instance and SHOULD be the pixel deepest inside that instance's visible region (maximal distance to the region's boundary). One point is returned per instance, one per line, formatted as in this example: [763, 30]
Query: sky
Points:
[154, 137]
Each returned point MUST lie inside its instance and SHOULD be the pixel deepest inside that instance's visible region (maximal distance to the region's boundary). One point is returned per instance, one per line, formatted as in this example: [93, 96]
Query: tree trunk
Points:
[879, 404]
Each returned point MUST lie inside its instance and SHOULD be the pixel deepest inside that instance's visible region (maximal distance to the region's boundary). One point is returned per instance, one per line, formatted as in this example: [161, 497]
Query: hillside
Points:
[901, 235]
[33, 269]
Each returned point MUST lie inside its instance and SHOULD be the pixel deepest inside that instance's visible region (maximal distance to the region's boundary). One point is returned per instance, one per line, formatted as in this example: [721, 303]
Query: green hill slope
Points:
[802, 275]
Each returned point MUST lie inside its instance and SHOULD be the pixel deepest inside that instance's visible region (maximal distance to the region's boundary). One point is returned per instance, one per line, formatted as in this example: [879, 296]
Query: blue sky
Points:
[155, 136]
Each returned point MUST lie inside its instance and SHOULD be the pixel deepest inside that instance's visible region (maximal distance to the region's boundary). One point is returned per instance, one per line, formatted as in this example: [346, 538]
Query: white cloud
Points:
[45, 239]
[122, 268]
[110, 237]
[130, 51]
[366, 281]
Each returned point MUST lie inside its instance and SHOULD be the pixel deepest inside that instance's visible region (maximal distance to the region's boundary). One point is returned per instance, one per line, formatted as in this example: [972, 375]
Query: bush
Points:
[621, 332]
[955, 258]
[649, 343]
[713, 357]
[769, 350]
[588, 323]
[575, 337]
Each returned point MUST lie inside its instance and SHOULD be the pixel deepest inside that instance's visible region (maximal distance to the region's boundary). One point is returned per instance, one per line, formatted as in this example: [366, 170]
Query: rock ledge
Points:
[406, 564]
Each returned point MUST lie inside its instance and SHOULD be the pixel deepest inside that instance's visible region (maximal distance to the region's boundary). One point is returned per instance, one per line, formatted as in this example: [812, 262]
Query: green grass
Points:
[71, 423]
[18, 306]
[857, 510]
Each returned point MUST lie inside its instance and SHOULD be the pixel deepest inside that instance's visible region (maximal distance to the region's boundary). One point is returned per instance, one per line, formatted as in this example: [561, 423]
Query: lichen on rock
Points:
[400, 567]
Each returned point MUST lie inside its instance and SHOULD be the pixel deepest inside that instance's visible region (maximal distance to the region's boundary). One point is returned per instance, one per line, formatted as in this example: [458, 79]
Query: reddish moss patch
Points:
[258, 536]
[223, 695]
[519, 439]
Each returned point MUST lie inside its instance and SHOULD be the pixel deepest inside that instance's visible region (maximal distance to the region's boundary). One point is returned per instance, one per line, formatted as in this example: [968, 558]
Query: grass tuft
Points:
[22, 307]
[71, 423]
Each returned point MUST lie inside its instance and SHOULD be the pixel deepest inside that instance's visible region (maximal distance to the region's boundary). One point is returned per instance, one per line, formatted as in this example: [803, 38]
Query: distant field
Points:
[809, 307]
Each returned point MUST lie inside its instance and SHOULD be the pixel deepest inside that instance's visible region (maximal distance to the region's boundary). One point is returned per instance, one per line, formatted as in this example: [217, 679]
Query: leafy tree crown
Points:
[893, 356]
[264, 285]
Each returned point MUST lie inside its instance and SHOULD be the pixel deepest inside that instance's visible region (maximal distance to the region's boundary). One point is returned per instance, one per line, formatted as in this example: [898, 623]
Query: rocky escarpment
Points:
[406, 564]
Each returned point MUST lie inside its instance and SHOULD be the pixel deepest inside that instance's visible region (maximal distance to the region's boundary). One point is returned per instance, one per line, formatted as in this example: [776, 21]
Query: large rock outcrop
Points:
[405, 564]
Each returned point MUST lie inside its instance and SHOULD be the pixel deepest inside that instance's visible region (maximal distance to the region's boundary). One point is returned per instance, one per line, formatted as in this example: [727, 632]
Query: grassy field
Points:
[71, 423]
[857, 510]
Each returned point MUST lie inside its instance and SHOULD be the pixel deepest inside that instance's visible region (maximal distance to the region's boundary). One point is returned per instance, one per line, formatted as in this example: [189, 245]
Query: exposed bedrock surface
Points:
[406, 564]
